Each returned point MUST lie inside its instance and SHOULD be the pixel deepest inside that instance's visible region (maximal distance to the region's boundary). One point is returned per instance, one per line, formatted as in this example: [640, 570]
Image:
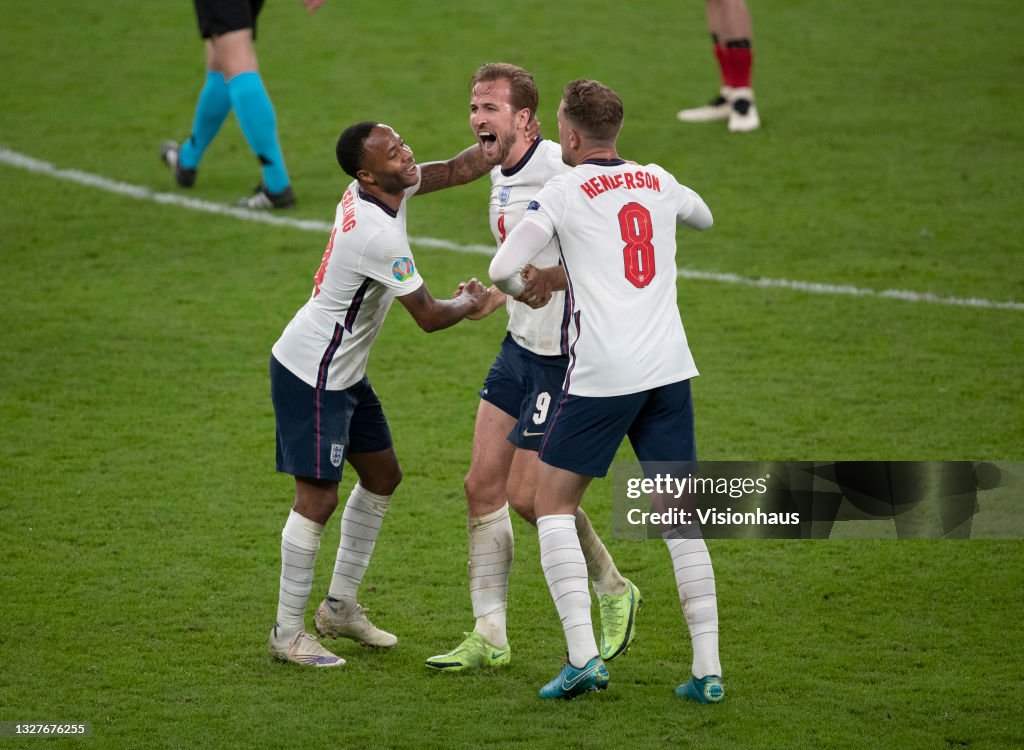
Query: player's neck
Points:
[518, 152]
[596, 152]
[391, 200]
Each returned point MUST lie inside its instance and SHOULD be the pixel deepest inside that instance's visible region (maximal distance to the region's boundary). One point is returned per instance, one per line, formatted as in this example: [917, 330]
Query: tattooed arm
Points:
[460, 169]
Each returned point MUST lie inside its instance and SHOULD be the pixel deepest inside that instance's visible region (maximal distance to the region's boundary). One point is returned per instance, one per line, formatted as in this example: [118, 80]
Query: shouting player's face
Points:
[388, 161]
[495, 123]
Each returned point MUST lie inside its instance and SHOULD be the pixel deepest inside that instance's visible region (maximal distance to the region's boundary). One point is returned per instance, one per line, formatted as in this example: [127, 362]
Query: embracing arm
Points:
[460, 169]
[521, 245]
[433, 314]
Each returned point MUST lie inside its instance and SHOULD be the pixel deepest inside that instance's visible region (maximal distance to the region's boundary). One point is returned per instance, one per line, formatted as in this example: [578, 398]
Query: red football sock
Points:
[723, 63]
[739, 61]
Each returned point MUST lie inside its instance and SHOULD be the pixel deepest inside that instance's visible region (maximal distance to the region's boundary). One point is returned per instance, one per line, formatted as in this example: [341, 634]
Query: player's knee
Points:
[390, 481]
[522, 503]
[482, 494]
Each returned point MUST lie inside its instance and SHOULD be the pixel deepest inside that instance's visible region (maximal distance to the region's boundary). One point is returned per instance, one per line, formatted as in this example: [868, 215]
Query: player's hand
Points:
[532, 129]
[477, 295]
[537, 291]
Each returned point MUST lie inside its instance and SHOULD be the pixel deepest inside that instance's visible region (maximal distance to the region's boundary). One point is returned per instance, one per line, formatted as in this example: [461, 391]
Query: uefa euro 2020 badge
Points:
[337, 454]
[403, 269]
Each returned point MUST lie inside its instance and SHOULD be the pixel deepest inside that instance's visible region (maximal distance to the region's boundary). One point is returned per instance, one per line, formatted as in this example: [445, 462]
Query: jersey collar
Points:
[522, 162]
[604, 162]
[377, 202]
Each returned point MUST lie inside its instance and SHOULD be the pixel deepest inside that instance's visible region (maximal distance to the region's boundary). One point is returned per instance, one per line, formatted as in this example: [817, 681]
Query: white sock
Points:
[300, 541]
[491, 550]
[360, 524]
[566, 572]
[600, 566]
[695, 580]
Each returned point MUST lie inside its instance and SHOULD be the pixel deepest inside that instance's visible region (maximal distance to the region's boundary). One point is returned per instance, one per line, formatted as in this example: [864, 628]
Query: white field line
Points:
[30, 164]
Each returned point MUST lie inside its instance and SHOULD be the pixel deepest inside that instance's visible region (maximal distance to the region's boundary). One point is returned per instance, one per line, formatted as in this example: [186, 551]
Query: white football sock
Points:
[300, 541]
[491, 549]
[695, 580]
[360, 524]
[566, 572]
[600, 566]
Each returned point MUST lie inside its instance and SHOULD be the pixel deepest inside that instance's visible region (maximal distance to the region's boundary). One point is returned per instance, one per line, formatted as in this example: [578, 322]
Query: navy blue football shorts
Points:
[317, 429]
[526, 386]
[218, 17]
[585, 431]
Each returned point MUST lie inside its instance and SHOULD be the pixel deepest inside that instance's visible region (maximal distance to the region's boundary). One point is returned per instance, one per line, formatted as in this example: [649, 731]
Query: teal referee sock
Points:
[259, 125]
[211, 110]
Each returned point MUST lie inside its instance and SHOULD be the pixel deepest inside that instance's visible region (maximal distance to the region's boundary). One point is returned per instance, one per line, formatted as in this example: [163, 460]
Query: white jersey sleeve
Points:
[616, 224]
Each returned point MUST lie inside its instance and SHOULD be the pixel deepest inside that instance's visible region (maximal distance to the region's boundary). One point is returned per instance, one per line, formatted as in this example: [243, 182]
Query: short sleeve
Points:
[388, 260]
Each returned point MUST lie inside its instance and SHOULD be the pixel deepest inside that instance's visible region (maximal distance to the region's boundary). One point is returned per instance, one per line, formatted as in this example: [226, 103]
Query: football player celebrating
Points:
[629, 371]
[521, 388]
[324, 406]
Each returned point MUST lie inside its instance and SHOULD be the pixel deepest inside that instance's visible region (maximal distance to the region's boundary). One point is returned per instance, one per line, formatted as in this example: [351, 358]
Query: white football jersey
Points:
[616, 222]
[542, 331]
[366, 265]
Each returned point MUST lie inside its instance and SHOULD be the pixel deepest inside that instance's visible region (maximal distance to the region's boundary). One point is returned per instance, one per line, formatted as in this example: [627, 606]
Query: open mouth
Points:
[486, 137]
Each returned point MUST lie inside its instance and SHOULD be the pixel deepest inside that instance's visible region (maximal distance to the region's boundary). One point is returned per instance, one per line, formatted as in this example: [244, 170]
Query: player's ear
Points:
[363, 176]
[523, 117]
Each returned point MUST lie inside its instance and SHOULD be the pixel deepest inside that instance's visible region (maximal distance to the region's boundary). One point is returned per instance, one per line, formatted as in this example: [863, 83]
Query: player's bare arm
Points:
[460, 169]
[433, 314]
[540, 283]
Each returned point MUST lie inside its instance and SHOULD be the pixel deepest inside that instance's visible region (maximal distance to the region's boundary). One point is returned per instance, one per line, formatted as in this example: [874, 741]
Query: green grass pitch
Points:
[140, 514]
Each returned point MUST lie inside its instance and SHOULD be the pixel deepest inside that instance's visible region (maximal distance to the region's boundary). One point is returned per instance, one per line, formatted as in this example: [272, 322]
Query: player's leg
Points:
[579, 444]
[315, 500]
[212, 108]
[663, 432]
[489, 527]
[491, 543]
[736, 35]
[236, 58]
[719, 107]
[372, 456]
[316, 496]
[211, 111]
[565, 569]
[618, 599]
[559, 492]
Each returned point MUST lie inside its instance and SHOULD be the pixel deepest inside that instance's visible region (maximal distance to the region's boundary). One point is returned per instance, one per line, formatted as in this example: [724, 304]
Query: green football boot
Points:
[473, 653]
[618, 620]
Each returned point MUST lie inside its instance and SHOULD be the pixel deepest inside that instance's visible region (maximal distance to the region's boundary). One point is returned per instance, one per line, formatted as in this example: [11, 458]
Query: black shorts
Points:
[317, 429]
[218, 17]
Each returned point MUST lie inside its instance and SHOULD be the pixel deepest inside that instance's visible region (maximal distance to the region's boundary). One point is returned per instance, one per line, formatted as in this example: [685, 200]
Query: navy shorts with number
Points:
[526, 386]
[585, 432]
[317, 429]
[218, 17]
